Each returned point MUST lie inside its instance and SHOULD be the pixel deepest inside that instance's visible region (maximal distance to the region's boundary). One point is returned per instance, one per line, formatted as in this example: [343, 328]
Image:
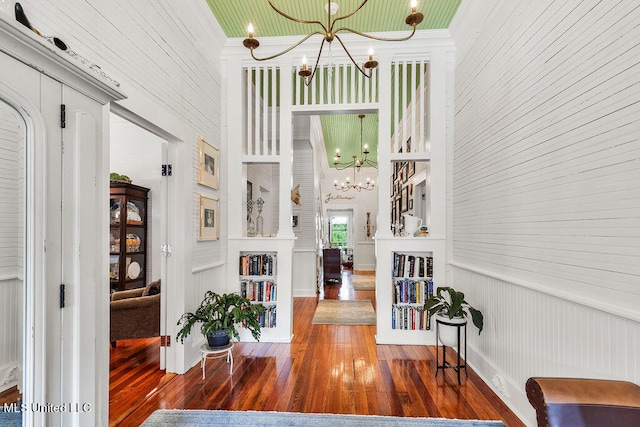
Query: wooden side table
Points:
[215, 353]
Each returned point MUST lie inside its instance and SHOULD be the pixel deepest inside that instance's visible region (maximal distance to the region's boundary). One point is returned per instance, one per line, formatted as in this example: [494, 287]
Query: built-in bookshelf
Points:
[257, 272]
[412, 286]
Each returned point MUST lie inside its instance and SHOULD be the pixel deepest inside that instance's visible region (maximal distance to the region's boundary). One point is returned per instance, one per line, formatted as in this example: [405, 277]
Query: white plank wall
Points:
[165, 55]
[546, 185]
[11, 314]
[12, 172]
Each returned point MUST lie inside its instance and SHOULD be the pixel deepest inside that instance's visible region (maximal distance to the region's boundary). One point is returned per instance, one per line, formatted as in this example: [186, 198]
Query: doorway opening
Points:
[138, 151]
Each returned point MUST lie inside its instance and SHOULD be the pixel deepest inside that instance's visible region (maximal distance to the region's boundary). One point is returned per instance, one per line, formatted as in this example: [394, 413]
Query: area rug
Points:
[197, 418]
[339, 312]
[363, 283]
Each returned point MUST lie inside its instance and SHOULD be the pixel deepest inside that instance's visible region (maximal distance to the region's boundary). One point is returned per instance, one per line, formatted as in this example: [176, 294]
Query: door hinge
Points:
[62, 296]
[165, 340]
[166, 250]
[63, 116]
[167, 170]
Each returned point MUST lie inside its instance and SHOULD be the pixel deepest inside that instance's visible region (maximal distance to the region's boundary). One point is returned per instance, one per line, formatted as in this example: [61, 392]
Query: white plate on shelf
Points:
[133, 271]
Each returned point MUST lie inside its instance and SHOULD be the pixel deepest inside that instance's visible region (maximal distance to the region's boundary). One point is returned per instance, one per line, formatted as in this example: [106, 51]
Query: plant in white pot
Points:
[451, 307]
[218, 315]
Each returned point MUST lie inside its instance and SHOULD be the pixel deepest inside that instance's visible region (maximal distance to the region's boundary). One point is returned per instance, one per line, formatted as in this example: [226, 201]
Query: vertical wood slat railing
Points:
[410, 100]
[261, 106]
[336, 84]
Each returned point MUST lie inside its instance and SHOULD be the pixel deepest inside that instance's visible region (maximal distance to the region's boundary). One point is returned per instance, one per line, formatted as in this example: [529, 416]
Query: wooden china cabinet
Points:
[128, 236]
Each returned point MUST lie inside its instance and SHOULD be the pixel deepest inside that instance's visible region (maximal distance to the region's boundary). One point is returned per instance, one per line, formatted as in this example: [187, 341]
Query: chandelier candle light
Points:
[356, 164]
[329, 33]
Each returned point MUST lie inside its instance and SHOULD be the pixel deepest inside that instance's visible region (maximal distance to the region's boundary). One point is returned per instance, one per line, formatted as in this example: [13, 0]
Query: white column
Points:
[234, 145]
[286, 149]
[384, 149]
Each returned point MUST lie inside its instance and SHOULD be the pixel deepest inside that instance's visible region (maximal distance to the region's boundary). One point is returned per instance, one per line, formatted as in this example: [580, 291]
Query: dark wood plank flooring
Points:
[326, 368]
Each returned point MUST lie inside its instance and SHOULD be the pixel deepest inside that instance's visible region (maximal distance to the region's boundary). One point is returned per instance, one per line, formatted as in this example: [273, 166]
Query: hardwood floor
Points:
[326, 368]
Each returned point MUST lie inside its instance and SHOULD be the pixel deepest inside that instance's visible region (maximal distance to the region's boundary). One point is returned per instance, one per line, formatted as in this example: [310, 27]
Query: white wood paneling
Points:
[11, 343]
[12, 161]
[530, 333]
[547, 151]
[546, 188]
[303, 175]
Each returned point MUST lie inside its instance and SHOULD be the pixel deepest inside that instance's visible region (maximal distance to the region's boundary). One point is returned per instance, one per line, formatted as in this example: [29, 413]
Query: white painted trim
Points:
[207, 267]
[558, 293]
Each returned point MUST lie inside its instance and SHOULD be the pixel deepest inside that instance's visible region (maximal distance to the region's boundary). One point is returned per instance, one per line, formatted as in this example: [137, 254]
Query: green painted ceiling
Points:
[376, 15]
[340, 130]
[343, 131]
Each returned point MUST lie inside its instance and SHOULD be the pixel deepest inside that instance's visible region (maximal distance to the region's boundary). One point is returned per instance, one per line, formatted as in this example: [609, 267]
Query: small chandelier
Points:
[329, 33]
[356, 164]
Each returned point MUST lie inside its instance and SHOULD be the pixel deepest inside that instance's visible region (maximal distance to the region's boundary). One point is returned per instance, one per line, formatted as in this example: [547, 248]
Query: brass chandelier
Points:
[356, 164]
[329, 33]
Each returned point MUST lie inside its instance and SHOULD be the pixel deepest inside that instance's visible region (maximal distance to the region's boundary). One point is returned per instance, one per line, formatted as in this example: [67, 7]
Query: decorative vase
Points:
[251, 227]
[259, 225]
[447, 334]
[218, 338]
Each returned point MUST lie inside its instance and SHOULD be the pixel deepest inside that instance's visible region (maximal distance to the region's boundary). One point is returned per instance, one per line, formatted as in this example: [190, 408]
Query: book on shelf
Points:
[268, 318]
[412, 265]
[407, 317]
[258, 290]
[256, 265]
[408, 291]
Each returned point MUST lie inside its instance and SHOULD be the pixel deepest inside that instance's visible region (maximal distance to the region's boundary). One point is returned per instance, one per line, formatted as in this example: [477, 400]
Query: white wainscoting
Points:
[364, 256]
[304, 273]
[11, 314]
[206, 278]
[530, 333]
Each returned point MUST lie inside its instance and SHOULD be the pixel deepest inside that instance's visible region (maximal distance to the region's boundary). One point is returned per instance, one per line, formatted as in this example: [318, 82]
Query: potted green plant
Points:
[218, 315]
[451, 306]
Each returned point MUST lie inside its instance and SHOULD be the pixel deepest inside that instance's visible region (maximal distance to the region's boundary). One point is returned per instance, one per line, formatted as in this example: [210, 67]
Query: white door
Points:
[32, 101]
[84, 245]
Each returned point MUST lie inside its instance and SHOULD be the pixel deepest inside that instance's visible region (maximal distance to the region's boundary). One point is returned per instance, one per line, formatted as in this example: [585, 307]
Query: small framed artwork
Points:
[405, 171]
[209, 218]
[208, 164]
[410, 204]
[412, 169]
[295, 222]
[405, 199]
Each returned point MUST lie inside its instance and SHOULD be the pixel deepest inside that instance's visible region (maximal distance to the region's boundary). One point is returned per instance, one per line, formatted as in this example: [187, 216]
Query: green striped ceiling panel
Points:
[376, 15]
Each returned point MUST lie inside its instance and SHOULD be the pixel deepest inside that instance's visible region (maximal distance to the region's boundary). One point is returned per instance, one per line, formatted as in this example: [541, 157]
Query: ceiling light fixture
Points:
[356, 164]
[329, 33]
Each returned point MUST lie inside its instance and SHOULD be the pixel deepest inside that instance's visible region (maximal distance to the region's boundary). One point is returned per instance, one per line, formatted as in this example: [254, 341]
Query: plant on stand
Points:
[451, 307]
[218, 315]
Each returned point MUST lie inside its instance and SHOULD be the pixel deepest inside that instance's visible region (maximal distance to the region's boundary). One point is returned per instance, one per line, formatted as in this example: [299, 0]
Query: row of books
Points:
[262, 291]
[412, 266]
[268, 318]
[411, 291]
[257, 265]
[410, 318]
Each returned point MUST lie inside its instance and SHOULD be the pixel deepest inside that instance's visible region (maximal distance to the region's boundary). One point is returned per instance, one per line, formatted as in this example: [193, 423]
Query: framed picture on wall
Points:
[208, 164]
[410, 204]
[412, 169]
[209, 218]
[405, 199]
[405, 172]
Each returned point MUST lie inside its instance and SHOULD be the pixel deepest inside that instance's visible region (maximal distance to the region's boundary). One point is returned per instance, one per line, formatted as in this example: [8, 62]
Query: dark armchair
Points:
[581, 402]
[135, 313]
